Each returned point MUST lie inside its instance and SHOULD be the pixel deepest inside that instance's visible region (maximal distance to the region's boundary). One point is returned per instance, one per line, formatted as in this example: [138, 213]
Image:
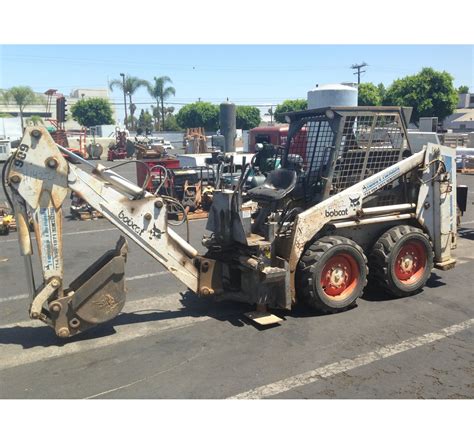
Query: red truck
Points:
[275, 135]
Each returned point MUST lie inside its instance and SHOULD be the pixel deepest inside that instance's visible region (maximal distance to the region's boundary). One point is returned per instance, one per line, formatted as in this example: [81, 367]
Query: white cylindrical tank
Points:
[334, 94]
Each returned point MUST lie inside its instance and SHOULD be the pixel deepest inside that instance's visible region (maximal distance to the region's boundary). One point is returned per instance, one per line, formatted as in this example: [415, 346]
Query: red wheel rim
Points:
[340, 276]
[410, 263]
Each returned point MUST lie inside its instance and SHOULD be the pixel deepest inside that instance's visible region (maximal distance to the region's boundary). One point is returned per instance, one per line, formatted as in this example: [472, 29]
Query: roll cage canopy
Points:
[336, 147]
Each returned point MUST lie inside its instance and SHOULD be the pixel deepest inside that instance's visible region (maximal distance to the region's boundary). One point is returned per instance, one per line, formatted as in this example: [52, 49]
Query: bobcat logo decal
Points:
[355, 202]
[155, 232]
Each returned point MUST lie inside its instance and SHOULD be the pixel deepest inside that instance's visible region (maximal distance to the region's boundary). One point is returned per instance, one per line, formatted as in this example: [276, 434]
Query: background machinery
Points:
[350, 203]
[7, 221]
[118, 150]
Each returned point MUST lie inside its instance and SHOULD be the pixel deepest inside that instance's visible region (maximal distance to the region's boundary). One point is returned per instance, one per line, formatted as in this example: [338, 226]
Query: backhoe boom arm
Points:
[40, 179]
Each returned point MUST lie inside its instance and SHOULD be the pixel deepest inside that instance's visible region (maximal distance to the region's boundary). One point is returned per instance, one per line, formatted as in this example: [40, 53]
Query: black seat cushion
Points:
[276, 186]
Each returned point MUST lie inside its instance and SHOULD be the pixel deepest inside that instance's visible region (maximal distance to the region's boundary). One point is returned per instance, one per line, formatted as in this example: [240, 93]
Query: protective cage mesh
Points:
[311, 148]
[367, 144]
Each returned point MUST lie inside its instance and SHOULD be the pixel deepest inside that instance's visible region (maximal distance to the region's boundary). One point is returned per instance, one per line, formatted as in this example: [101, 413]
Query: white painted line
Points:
[14, 298]
[468, 222]
[89, 231]
[14, 355]
[75, 233]
[131, 278]
[345, 365]
[147, 275]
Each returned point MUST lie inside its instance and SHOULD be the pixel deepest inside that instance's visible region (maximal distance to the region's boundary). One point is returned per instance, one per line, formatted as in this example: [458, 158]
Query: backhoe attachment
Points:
[40, 178]
[96, 296]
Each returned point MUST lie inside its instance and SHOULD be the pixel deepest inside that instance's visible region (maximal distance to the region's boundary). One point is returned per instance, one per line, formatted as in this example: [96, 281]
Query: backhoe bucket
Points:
[96, 296]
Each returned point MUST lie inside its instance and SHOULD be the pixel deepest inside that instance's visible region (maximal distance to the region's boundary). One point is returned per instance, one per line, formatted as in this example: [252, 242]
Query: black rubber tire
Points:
[384, 254]
[311, 266]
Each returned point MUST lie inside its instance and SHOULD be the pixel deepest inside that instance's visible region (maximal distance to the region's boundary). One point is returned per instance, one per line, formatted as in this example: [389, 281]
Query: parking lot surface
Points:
[168, 343]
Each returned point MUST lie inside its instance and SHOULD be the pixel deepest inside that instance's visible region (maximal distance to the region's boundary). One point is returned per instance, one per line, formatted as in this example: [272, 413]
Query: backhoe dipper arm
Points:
[40, 179]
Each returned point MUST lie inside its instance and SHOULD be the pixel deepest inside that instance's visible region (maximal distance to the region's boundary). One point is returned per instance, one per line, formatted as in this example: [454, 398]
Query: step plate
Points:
[446, 265]
[263, 318]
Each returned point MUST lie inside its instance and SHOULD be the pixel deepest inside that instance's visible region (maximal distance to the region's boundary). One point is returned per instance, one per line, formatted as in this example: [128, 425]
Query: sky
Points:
[246, 74]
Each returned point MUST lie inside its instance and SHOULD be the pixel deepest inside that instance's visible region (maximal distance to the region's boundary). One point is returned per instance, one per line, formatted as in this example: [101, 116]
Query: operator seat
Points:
[277, 185]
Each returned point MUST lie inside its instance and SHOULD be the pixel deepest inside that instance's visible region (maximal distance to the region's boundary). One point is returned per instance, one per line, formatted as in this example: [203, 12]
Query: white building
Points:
[462, 120]
[466, 100]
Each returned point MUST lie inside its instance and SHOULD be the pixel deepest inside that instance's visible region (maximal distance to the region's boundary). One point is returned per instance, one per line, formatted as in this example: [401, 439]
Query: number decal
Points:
[21, 155]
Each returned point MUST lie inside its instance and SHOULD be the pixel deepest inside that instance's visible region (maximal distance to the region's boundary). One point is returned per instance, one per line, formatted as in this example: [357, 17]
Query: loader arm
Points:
[40, 179]
[435, 209]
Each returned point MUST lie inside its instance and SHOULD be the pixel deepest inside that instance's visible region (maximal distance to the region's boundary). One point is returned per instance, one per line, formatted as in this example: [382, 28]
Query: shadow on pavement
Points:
[435, 281]
[44, 336]
[192, 306]
[466, 233]
[373, 293]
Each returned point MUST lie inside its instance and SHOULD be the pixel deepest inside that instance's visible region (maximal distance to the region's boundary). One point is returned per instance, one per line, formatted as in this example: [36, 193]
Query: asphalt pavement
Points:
[168, 343]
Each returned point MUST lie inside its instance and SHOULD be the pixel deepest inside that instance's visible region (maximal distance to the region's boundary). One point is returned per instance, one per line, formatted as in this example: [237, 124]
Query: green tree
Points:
[22, 96]
[92, 111]
[270, 113]
[382, 91]
[431, 94]
[131, 122]
[171, 124]
[463, 89]
[369, 95]
[289, 106]
[248, 117]
[129, 85]
[169, 110]
[160, 92]
[155, 113]
[145, 122]
[199, 114]
[34, 120]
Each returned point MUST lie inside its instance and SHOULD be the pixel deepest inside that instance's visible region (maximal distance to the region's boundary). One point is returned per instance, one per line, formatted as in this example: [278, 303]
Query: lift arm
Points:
[435, 209]
[40, 179]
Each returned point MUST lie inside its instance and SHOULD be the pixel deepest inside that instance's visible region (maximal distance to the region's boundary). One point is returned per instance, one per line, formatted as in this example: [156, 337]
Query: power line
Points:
[175, 67]
[119, 104]
[358, 67]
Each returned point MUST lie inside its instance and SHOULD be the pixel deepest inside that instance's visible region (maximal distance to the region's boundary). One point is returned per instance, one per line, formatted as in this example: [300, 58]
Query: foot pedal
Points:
[263, 318]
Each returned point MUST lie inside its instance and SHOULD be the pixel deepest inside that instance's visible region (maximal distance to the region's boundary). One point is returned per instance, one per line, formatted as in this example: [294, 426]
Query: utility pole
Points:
[358, 67]
[124, 99]
[270, 113]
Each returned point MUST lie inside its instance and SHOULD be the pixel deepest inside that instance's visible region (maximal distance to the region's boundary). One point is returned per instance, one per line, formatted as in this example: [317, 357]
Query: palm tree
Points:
[155, 112]
[22, 96]
[129, 85]
[160, 92]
